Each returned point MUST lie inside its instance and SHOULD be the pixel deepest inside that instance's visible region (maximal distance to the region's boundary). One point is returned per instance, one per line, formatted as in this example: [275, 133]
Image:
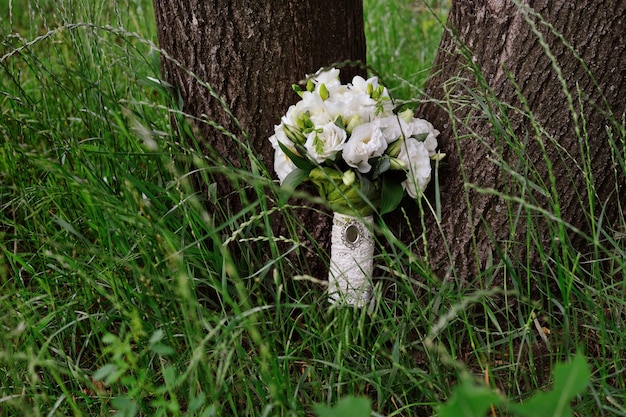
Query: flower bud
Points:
[406, 115]
[324, 92]
[394, 147]
[297, 89]
[375, 93]
[355, 121]
[397, 164]
[348, 177]
[294, 134]
[304, 122]
[438, 156]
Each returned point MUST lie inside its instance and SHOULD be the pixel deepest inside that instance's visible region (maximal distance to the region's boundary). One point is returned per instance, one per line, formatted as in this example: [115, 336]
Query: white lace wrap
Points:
[352, 260]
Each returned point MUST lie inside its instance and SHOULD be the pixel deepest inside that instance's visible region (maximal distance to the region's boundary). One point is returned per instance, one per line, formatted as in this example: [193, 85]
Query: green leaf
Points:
[391, 195]
[293, 179]
[196, 402]
[319, 144]
[299, 161]
[326, 180]
[124, 406]
[421, 136]
[339, 122]
[162, 349]
[108, 373]
[368, 188]
[570, 380]
[157, 336]
[382, 165]
[169, 376]
[297, 89]
[346, 407]
[305, 123]
[541, 404]
[290, 183]
[469, 400]
[109, 338]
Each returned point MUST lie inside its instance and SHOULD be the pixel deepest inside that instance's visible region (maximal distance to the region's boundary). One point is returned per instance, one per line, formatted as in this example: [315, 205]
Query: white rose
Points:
[328, 142]
[283, 165]
[416, 157]
[420, 126]
[366, 141]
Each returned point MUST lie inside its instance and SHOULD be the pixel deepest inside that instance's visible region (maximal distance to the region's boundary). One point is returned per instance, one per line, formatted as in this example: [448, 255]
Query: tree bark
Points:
[499, 64]
[250, 53]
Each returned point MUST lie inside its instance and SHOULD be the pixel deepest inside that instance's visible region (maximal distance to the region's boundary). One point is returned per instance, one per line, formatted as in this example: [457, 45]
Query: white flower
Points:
[330, 78]
[360, 84]
[367, 141]
[280, 136]
[420, 126]
[393, 128]
[327, 83]
[356, 122]
[283, 165]
[349, 104]
[324, 143]
[416, 157]
[312, 104]
[292, 115]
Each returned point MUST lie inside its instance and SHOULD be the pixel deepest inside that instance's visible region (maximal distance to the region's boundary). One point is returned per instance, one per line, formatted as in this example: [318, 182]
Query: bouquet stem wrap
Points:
[352, 260]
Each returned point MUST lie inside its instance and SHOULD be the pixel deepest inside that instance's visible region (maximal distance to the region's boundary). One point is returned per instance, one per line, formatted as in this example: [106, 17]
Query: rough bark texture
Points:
[251, 52]
[493, 39]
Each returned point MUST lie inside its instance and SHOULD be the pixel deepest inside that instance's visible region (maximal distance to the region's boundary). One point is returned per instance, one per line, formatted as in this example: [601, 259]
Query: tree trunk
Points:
[250, 53]
[499, 64]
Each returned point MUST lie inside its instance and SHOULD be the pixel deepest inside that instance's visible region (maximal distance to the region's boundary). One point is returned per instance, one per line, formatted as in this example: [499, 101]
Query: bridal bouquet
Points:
[361, 156]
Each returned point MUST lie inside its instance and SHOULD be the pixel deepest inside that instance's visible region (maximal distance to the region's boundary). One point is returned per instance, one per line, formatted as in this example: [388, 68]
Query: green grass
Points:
[402, 40]
[119, 295]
